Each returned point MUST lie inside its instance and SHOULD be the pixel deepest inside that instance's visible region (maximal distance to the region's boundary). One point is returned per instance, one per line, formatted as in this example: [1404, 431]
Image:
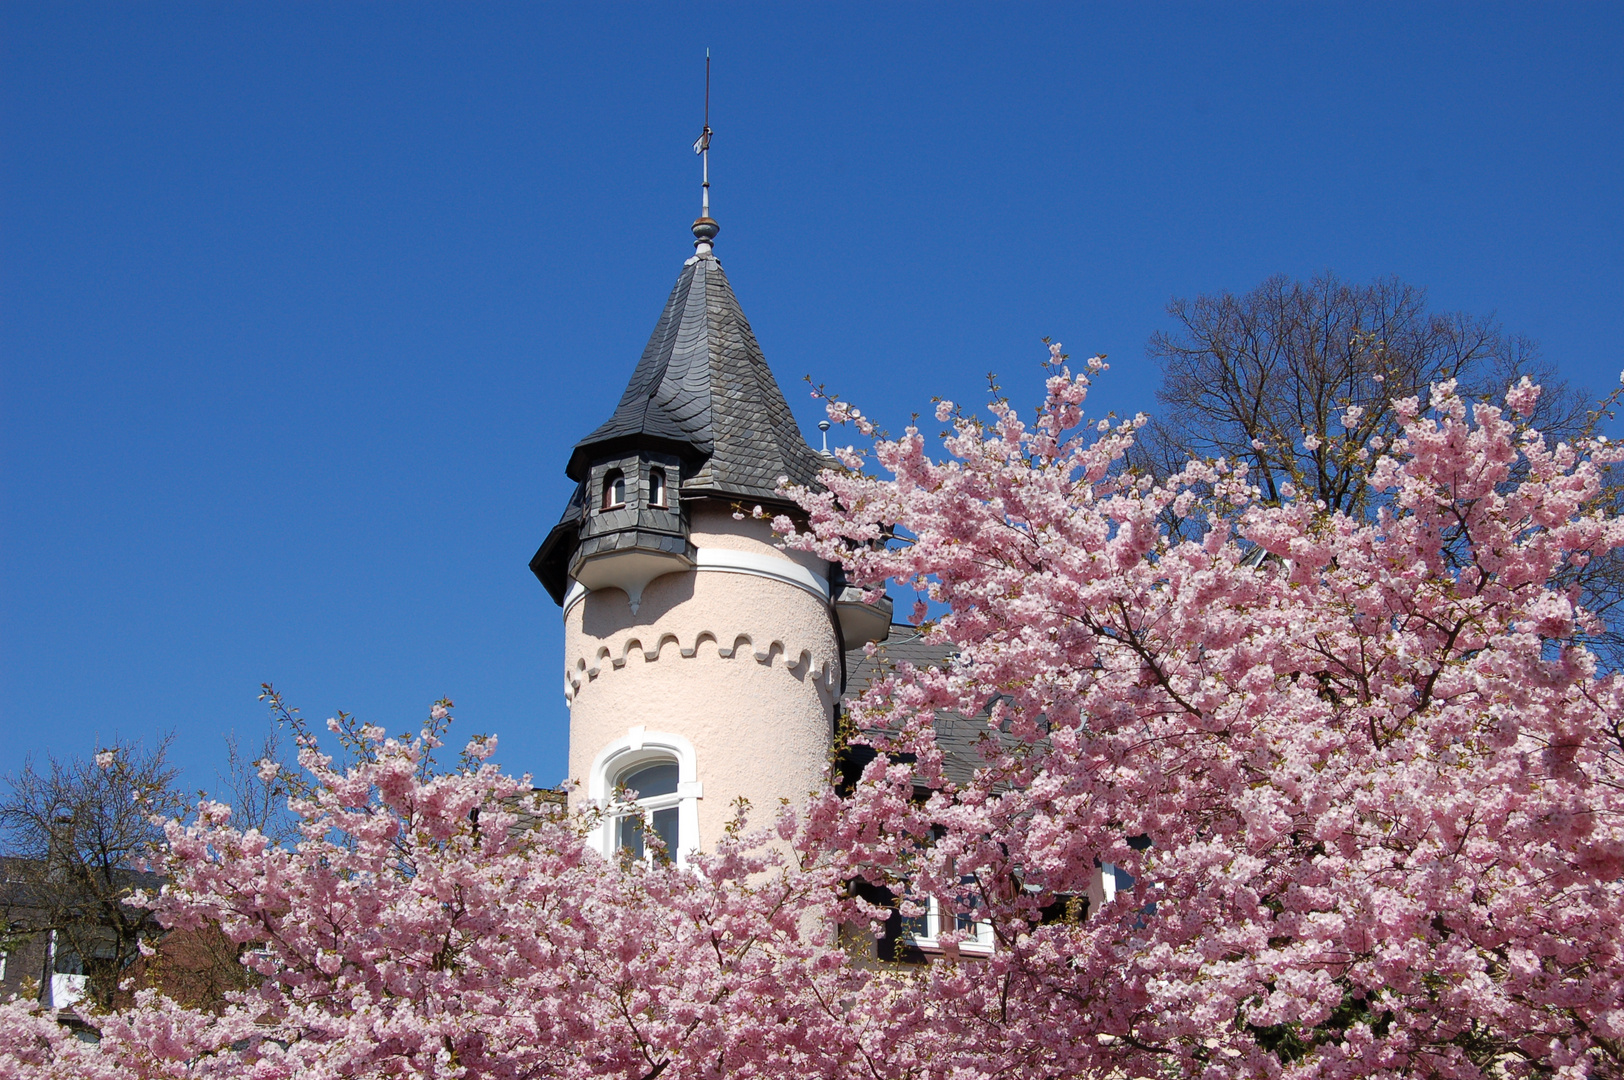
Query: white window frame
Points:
[940, 920]
[67, 989]
[1111, 876]
[646, 806]
[614, 489]
[640, 748]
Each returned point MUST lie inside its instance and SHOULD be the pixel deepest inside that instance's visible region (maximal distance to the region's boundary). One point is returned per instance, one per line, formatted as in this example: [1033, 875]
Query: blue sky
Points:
[301, 306]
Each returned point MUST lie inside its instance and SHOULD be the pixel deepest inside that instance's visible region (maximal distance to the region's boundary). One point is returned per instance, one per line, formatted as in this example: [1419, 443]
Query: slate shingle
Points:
[959, 736]
[703, 389]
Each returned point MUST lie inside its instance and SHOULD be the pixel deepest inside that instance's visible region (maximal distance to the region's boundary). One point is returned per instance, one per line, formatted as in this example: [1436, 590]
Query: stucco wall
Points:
[744, 667]
[713, 525]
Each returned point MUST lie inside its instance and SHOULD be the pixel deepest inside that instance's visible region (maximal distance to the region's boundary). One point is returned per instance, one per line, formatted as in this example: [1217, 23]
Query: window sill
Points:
[937, 947]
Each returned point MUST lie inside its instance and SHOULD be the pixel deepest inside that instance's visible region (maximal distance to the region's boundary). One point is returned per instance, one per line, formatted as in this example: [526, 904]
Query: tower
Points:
[703, 662]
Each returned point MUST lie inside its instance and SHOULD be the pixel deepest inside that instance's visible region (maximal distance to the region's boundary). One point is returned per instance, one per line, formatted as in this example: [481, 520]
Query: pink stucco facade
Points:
[738, 657]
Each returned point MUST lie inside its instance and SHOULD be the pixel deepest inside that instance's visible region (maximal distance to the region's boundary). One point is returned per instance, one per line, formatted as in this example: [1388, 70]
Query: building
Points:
[703, 662]
[66, 930]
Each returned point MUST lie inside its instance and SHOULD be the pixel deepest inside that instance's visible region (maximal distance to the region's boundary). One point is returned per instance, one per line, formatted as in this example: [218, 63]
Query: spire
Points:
[702, 408]
[703, 390]
[705, 228]
[703, 397]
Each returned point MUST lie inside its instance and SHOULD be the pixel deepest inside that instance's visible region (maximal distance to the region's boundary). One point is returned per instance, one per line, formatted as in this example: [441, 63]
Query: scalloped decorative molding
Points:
[804, 666]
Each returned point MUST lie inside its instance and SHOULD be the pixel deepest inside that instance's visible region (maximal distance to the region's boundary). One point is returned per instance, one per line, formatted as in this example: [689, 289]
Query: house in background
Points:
[66, 931]
[33, 956]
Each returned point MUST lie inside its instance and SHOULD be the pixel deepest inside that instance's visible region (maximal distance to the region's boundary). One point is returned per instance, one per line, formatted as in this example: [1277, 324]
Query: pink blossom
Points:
[1358, 781]
[1522, 397]
[1366, 775]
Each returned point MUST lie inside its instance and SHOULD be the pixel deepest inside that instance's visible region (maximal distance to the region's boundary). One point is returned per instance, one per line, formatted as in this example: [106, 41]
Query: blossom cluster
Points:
[445, 925]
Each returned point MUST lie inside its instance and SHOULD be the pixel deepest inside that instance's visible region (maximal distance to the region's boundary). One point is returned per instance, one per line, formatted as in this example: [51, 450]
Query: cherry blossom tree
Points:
[1362, 774]
[444, 924]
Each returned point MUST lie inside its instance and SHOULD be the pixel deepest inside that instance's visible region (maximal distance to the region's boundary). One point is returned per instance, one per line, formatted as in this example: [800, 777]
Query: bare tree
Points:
[257, 787]
[1297, 378]
[1268, 378]
[76, 837]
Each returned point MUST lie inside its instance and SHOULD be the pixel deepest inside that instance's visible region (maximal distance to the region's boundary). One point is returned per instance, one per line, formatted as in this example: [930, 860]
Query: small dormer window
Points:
[614, 490]
[656, 487]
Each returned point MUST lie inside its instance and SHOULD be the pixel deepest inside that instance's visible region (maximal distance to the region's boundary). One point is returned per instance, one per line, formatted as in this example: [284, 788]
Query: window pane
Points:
[656, 488]
[67, 962]
[631, 836]
[665, 827]
[656, 779]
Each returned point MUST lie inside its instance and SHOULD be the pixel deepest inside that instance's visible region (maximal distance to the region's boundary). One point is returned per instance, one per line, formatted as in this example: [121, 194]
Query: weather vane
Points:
[705, 229]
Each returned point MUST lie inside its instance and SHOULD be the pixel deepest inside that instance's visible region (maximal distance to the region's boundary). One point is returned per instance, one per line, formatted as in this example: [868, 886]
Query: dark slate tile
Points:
[960, 737]
[703, 383]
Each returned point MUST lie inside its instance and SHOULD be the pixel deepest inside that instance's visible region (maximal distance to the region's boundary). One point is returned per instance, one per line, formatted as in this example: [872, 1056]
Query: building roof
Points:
[29, 886]
[703, 390]
[959, 736]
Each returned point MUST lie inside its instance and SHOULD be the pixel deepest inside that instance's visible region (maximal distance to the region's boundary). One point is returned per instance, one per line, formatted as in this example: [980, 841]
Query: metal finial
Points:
[823, 426]
[705, 229]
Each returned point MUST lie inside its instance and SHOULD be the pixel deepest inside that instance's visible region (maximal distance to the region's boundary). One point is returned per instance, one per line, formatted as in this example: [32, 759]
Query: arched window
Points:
[653, 785]
[656, 487]
[660, 769]
[614, 490]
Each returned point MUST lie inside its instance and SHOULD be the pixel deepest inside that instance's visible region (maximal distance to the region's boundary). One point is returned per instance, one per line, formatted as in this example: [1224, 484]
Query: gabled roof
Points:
[704, 391]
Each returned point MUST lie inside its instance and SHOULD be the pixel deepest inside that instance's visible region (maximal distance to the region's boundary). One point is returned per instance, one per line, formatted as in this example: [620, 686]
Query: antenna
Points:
[705, 229]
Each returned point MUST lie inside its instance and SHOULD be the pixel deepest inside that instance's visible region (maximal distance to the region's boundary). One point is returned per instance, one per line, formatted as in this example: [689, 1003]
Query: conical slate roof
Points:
[704, 391]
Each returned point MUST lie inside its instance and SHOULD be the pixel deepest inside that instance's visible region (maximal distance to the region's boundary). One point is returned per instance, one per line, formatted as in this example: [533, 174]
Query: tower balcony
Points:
[628, 559]
[633, 528]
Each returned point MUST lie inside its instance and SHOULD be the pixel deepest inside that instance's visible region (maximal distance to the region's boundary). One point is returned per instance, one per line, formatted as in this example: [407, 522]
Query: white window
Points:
[656, 487]
[926, 931]
[661, 770]
[68, 979]
[1114, 879]
[653, 785]
[614, 490]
